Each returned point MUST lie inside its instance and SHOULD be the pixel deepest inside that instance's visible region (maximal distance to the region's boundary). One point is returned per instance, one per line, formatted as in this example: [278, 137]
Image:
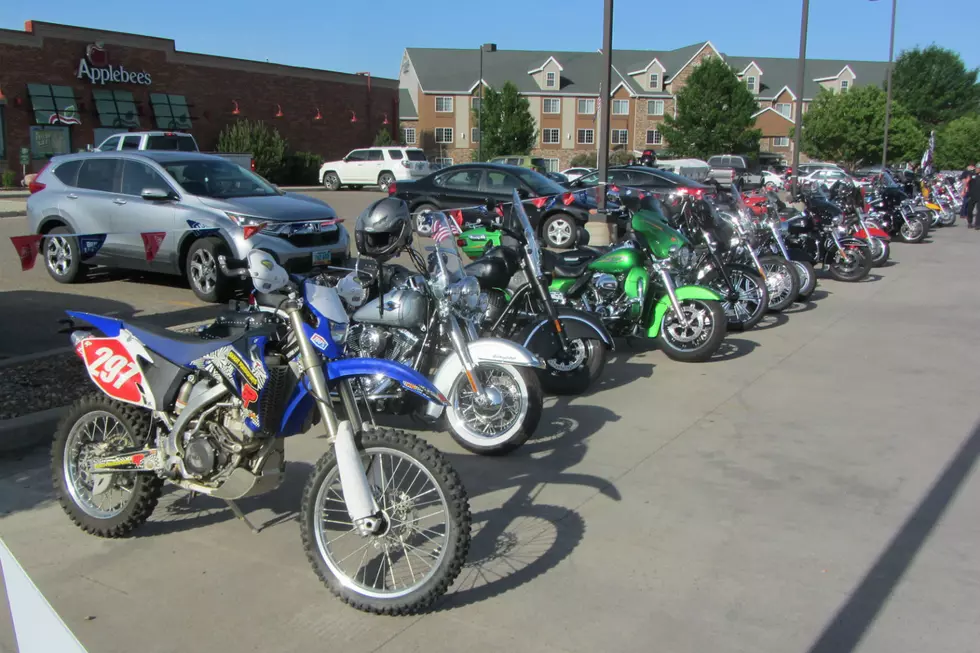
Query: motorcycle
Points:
[849, 198]
[892, 209]
[820, 232]
[210, 415]
[573, 343]
[631, 287]
[427, 321]
[772, 239]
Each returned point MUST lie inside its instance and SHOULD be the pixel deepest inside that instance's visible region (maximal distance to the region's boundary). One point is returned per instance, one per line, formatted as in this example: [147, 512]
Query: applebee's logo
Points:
[95, 66]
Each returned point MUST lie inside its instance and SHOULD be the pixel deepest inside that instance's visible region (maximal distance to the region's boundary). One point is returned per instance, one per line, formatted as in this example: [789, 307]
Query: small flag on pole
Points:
[151, 243]
[442, 231]
[27, 249]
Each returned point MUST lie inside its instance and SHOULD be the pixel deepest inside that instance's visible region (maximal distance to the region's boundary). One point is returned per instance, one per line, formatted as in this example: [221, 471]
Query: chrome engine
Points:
[392, 343]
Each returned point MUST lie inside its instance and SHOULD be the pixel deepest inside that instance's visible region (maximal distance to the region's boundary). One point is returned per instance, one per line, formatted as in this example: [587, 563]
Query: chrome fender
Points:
[483, 350]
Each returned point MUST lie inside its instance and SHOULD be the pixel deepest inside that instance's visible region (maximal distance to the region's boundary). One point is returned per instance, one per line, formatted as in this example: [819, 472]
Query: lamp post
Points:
[800, 79]
[604, 104]
[486, 47]
[888, 84]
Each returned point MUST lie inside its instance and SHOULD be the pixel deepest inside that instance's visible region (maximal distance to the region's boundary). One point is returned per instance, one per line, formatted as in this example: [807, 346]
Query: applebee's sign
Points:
[96, 68]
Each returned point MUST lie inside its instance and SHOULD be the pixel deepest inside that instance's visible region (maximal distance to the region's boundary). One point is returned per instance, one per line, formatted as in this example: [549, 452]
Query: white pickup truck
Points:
[170, 141]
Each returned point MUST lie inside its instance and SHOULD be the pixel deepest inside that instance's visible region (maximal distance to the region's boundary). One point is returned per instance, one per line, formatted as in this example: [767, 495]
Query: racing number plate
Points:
[113, 369]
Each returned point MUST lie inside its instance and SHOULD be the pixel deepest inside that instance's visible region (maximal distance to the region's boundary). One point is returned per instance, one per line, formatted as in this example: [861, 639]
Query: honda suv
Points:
[203, 206]
[381, 166]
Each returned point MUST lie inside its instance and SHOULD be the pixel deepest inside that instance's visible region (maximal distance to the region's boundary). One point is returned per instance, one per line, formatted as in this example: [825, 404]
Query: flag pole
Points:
[603, 140]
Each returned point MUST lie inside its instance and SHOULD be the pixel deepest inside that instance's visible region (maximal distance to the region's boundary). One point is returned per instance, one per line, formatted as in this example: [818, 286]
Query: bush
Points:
[265, 145]
[384, 138]
[300, 169]
[590, 160]
[8, 179]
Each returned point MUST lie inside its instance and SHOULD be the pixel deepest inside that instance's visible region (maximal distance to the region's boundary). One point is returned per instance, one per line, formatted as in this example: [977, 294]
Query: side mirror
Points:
[523, 193]
[156, 195]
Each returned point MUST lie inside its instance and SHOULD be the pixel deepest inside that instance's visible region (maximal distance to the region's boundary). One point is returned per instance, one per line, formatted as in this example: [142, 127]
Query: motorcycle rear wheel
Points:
[753, 300]
[852, 270]
[590, 354]
[782, 282]
[701, 339]
[439, 549]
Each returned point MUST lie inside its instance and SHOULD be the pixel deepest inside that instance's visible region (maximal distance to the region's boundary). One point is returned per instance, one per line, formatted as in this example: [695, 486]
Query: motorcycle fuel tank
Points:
[404, 307]
[617, 261]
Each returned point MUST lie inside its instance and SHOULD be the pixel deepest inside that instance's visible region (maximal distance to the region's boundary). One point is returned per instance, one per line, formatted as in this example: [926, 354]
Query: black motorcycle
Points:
[820, 231]
[893, 210]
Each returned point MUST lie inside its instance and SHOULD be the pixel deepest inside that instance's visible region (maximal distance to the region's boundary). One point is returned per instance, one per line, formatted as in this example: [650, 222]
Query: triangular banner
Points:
[27, 249]
[90, 244]
[151, 243]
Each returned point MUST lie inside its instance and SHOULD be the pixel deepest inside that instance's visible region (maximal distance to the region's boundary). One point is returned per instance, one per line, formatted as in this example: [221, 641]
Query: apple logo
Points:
[96, 54]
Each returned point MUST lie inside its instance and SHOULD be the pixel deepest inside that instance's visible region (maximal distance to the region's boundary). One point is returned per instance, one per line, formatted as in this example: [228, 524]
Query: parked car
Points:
[575, 173]
[202, 203]
[654, 180]
[471, 184]
[530, 162]
[556, 177]
[825, 176]
[806, 168]
[773, 178]
[374, 166]
[166, 142]
[726, 168]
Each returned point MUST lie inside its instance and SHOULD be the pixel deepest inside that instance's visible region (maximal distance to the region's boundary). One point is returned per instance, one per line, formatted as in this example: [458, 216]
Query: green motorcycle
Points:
[476, 241]
[631, 288]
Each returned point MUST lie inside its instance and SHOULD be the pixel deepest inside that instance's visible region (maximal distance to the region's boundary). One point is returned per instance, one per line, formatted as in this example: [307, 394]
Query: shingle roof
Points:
[457, 71]
[406, 107]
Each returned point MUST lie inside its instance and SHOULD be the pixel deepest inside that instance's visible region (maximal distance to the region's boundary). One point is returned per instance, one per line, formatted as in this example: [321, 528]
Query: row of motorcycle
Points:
[472, 346]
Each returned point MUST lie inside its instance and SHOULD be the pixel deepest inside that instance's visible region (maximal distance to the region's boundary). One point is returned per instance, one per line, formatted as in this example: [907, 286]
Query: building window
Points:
[785, 108]
[780, 141]
[620, 107]
[654, 137]
[551, 165]
[655, 107]
[444, 104]
[475, 134]
[620, 136]
[750, 82]
[443, 161]
[3, 132]
[408, 135]
[49, 140]
[586, 136]
[475, 104]
[444, 134]
[551, 105]
[655, 81]
[549, 80]
[586, 107]
[53, 104]
[116, 108]
[170, 111]
[550, 136]
[843, 85]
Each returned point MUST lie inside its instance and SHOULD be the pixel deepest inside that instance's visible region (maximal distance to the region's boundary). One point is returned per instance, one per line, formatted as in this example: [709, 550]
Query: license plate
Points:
[322, 257]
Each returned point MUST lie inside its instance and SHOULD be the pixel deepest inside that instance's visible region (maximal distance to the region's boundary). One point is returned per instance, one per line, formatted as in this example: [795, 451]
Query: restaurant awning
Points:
[170, 111]
[116, 108]
[53, 105]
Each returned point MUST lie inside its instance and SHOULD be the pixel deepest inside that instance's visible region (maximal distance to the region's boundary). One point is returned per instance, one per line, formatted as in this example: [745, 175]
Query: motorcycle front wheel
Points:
[700, 338]
[753, 299]
[913, 231]
[503, 417]
[853, 267]
[880, 251]
[574, 372]
[423, 537]
[782, 282]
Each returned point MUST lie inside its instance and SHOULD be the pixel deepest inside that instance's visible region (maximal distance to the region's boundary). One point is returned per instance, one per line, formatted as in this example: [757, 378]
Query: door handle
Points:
[120, 201]
[72, 196]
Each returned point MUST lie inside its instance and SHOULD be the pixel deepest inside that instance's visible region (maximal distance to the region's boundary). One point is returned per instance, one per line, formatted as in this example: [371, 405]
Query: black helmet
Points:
[383, 229]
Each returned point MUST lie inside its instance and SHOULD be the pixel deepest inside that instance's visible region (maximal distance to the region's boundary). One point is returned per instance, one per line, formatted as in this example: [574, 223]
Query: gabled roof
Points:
[643, 70]
[781, 73]
[752, 63]
[827, 79]
[767, 109]
[406, 107]
[780, 92]
[542, 66]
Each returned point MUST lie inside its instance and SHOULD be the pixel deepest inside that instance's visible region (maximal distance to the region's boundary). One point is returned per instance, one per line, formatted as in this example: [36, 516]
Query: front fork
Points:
[458, 341]
[669, 285]
[779, 241]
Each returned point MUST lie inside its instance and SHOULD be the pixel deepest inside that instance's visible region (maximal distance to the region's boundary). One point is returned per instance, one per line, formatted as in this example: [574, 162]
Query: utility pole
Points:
[800, 80]
[486, 47]
[888, 100]
[605, 110]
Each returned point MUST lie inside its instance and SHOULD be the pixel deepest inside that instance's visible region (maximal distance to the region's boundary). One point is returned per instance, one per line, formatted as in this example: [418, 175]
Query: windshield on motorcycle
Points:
[885, 179]
[447, 277]
[519, 215]
[743, 220]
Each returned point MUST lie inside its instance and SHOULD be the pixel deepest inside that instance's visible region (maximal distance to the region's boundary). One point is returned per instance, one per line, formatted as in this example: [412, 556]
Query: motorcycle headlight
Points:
[338, 332]
[465, 295]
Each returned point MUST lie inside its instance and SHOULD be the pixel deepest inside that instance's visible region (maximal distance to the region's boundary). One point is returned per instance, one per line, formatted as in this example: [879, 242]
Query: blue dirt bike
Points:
[384, 519]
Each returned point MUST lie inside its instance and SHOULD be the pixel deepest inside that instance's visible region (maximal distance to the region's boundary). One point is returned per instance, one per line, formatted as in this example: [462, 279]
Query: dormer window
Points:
[751, 83]
[654, 81]
[550, 80]
[843, 85]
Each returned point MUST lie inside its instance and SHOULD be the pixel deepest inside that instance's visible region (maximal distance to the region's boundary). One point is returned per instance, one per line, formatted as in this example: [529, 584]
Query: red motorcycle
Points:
[852, 200]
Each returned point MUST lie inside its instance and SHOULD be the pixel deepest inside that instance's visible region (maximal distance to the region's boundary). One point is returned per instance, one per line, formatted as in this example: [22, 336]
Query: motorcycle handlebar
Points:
[241, 273]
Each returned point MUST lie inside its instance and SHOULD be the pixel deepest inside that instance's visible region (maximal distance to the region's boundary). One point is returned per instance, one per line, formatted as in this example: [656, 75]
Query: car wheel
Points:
[331, 181]
[422, 228]
[203, 275]
[61, 256]
[385, 179]
[559, 231]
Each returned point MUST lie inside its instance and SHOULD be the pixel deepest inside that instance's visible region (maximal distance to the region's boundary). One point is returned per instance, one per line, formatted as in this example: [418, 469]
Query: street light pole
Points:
[888, 100]
[800, 79]
[486, 47]
[603, 105]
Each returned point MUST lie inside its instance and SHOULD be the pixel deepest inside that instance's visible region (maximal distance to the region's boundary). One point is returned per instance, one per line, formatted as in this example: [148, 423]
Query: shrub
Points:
[300, 169]
[384, 138]
[9, 178]
[590, 160]
[265, 145]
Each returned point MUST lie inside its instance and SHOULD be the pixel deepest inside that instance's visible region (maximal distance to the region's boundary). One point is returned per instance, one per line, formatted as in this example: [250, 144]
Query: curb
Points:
[12, 214]
[20, 433]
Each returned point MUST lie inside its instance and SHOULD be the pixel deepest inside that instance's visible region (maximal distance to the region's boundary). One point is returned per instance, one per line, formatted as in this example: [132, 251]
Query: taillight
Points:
[251, 164]
[460, 242]
[614, 188]
[567, 199]
[35, 185]
[406, 164]
[392, 189]
[696, 193]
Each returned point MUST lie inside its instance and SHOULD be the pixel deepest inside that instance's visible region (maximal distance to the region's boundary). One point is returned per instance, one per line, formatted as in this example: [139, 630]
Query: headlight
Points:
[252, 221]
[338, 332]
[465, 294]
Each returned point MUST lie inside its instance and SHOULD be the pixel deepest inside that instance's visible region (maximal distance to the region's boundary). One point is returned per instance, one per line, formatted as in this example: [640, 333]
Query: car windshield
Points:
[171, 142]
[218, 178]
[538, 182]
[675, 178]
[415, 155]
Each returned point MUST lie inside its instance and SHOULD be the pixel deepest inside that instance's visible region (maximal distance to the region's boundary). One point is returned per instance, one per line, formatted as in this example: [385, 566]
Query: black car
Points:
[666, 186]
[471, 184]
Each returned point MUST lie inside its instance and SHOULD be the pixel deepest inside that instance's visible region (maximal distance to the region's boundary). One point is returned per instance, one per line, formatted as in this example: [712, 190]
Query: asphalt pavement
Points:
[811, 489]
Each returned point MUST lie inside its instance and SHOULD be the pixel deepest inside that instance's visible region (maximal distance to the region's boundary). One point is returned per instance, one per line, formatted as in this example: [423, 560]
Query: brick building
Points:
[440, 89]
[63, 88]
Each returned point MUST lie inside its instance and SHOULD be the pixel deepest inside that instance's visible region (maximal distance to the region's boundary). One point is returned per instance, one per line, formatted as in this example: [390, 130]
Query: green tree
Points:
[934, 85]
[384, 137]
[714, 114]
[958, 143]
[265, 145]
[508, 127]
[591, 159]
[849, 128]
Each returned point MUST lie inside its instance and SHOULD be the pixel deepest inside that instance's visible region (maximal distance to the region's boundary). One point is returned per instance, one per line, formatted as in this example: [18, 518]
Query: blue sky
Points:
[371, 34]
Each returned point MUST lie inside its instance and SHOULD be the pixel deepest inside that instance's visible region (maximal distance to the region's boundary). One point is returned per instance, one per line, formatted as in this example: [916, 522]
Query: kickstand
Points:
[238, 513]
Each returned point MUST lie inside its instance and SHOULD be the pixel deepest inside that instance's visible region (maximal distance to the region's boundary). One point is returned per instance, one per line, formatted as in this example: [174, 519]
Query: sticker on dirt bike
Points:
[426, 393]
[249, 395]
[113, 369]
[319, 342]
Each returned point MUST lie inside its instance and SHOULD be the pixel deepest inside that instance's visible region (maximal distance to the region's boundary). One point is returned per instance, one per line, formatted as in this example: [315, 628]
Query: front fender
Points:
[345, 368]
[852, 242]
[484, 350]
[683, 292]
[539, 337]
[873, 232]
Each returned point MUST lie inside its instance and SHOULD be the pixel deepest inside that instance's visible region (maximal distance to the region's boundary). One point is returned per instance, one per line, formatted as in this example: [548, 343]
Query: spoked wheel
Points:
[103, 504]
[503, 417]
[752, 297]
[423, 534]
[782, 282]
[853, 264]
[697, 339]
[574, 372]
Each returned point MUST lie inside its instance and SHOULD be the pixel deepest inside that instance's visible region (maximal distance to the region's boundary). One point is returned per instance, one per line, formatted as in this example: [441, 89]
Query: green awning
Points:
[53, 105]
[116, 108]
[170, 111]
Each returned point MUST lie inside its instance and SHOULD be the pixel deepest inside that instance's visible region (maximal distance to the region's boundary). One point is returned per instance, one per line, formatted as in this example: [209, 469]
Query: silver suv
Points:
[204, 205]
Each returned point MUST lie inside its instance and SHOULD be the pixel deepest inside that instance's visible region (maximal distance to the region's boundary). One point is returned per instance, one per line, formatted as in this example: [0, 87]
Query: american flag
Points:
[441, 231]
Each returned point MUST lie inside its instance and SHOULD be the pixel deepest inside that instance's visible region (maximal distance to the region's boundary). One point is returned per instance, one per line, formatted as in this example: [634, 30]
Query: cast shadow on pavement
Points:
[844, 632]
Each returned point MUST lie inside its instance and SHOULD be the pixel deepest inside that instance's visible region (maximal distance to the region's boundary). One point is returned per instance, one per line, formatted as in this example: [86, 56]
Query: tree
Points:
[384, 137]
[849, 128]
[714, 114]
[591, 159]
[958, 143]
[265, 145]
[508, 127]
[934, 85]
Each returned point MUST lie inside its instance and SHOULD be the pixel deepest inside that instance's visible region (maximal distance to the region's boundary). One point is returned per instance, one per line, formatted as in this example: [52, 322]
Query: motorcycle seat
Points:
[566, 264]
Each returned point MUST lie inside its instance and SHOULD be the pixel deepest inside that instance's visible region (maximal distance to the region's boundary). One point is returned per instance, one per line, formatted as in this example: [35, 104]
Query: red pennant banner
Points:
[457, 215]
[151, 243]
[27, 249]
